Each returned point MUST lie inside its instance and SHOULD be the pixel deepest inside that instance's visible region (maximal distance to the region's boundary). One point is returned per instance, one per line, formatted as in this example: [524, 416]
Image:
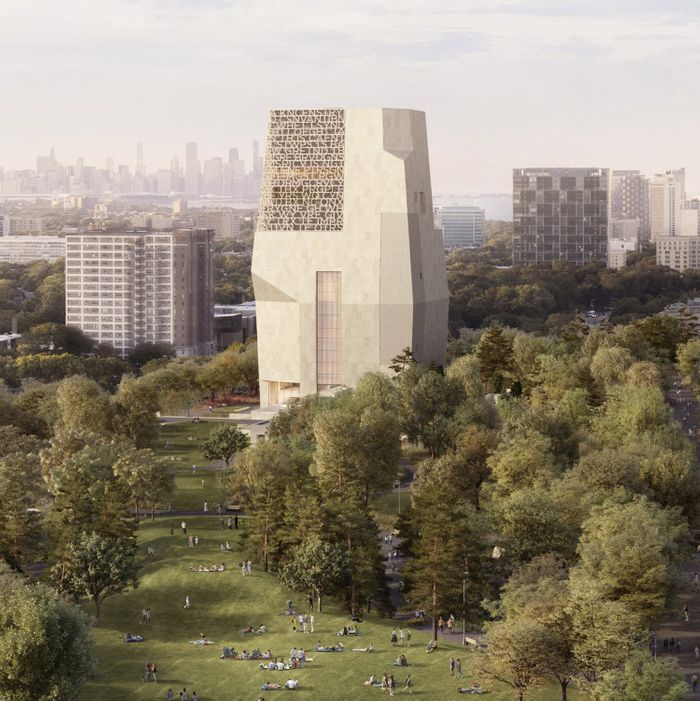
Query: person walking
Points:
[392, 685]
[170, 696]
[310, 599]
[250, 567]
[408, 684]
[229, 523]
[694, 681]
[205, 507]
[243, 568]
[194, 696]
[311, 623]
[458, 665]
[452, 667]
[697, 652]
[187, 601]
[402, 637]
[408, 638]
[235, 521]
[183, 528]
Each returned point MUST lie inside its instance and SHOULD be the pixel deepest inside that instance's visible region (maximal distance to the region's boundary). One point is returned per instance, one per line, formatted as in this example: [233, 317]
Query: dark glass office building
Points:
[560, 214]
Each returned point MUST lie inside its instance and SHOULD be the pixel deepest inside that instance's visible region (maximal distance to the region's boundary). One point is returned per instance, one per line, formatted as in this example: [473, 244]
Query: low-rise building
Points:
[678, 252]
[25, 249]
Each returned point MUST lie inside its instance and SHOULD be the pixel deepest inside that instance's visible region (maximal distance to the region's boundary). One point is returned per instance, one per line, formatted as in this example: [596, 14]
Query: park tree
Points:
[45, 647]
[688, 361]
[643, 374]
[96, 567]
[495, 355]
[604, 631]
[21, 486]
[518, 649]
[531, 523]
[539, 591]
[466, 371]
[609, 367]
[83, 406]
[223, 442]
[135, 406]
[633, 551]
[402, 361]
[87, 494]
[259, 481]
[428, 401]
[360, 451]
[318, 566]
[56, 338]
[524, 460]
[441, 542]
[643, 679]
[142, 353]
[146, 478]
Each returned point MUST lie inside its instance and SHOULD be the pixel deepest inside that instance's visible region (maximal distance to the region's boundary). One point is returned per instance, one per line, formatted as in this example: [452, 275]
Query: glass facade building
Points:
[560, 215]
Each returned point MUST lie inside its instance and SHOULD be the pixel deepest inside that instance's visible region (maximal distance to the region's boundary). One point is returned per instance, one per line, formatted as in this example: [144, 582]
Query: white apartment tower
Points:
[348, 267]
[139, 287]
[666, 202]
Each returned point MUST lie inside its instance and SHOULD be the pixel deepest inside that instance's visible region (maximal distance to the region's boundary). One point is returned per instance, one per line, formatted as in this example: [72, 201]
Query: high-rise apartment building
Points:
[138, 287]
[679, 253]
[224, 222]
[629, 199]
[560, 214]
[462, 227]
[666, 202]
[191, 169]
[348, 267]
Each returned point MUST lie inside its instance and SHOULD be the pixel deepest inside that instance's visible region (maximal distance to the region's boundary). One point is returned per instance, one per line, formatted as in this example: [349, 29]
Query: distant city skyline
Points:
[504, 83]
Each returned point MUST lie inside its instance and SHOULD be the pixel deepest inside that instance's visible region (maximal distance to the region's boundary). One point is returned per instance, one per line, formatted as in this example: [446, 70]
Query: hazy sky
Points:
[505, 83]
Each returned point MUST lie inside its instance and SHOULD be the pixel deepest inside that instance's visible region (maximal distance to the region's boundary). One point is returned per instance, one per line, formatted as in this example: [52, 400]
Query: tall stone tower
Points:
[348, 267]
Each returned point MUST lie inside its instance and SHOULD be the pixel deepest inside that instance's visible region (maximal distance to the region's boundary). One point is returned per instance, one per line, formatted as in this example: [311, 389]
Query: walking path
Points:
[685, 411]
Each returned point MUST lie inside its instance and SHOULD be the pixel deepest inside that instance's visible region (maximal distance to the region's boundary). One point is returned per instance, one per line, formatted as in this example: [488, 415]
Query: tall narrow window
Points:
[328, 331]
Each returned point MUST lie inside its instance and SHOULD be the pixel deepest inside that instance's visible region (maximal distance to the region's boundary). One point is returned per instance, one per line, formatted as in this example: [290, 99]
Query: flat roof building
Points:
[678, 252]
[560, 215]
[462, 227]
[128, 288]
[348, 267]
[25, 249]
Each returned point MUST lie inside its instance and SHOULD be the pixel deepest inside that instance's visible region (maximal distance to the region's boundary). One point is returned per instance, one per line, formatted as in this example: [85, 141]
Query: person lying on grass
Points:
[372, 681]
[129, 638]
[203, 640]
[329, 648]
[270, 686]
[369, 648]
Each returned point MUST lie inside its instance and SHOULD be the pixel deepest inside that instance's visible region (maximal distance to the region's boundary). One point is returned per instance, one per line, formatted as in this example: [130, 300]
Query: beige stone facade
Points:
[348, 266]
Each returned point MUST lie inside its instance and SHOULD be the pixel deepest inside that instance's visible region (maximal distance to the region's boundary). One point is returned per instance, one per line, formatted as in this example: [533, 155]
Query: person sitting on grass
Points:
[247, 629]
[291, 684]
[352, 630]
[344, 631]
[432, 645]
[228, 653]
[261, 629]
[369, 648]
[372, 681]
[221, 567]
[129, 638]
[401, 661]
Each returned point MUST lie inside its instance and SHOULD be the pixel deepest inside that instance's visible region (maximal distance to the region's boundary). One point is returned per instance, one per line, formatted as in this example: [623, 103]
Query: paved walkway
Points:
[685, 411]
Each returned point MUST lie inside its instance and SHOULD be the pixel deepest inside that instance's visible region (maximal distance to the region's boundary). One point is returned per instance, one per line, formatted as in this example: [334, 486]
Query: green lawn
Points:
[190, 493]
[224, 603]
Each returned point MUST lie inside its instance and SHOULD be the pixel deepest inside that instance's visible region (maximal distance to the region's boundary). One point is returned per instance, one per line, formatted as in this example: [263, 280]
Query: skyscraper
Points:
[135, 287]
[666, 202]
[629, 199]
[191, 169]
[462, 227]
[140, 168]
[348, 266]
[560, 214]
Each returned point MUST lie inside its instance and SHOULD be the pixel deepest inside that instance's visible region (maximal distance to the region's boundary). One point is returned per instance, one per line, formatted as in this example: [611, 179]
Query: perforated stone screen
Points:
[302, 188]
